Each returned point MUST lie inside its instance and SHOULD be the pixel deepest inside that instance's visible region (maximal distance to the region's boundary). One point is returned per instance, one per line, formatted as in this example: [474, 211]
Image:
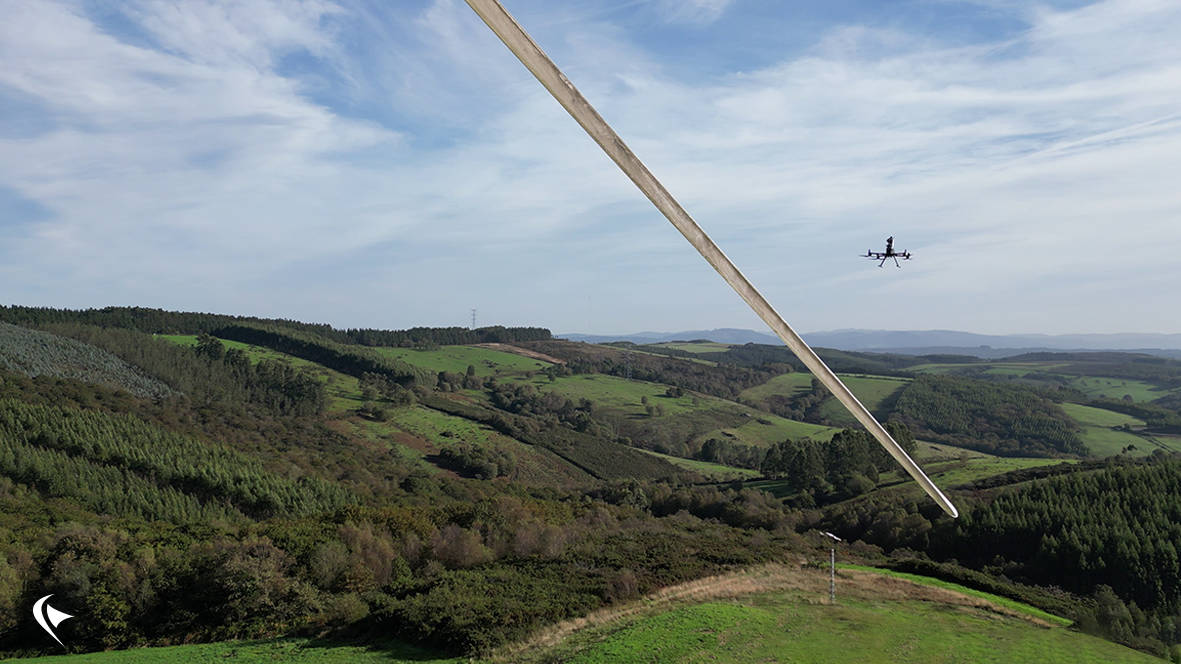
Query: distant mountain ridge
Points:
[855, 339]
[724, 335]
[919, 342]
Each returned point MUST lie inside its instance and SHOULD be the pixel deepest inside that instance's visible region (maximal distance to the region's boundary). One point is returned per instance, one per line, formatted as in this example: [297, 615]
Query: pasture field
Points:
[877, 618]
[785, 384]
[1167, 442]
[438, 426]
[947, 471]
[954, 473]
[456, 359]
[942, 368]
[1099, 417]
[624, 396]
[945, 474]
[621, 394]
[1105, 442]
[1019, 607]
[715, 472]
[872, 391]
[994, 368]
[1116, 388]
[765, 429]
[1099, 435]
[696, 360]
[926, 451]
[432, 430]
[703, 347]
[295, 650]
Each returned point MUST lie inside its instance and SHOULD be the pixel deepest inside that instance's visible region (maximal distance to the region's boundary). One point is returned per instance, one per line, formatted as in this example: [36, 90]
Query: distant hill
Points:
[920, 342]
[724, 335]
[912, 339]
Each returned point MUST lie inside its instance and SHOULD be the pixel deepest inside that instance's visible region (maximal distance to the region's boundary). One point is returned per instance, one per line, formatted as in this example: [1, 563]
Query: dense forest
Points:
[992, 417]
[158, 321]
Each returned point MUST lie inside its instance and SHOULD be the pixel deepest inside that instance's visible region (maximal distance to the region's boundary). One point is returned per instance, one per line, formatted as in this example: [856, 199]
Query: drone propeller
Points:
[531, 55]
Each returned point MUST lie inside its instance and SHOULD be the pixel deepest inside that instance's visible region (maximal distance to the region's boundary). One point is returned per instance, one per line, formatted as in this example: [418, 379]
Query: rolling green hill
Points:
[769, 614]
[289, 480]
[783, 615]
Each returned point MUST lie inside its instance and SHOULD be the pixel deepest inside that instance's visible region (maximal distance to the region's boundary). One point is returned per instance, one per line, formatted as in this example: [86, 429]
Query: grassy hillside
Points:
[297, 651]
[1117, 388]
[789, 384]
[1100, 434]
[783, 615]
[700, 347]
[400, 495]
[457, 359]
[343, 391]
[775, 613]
[711, 471]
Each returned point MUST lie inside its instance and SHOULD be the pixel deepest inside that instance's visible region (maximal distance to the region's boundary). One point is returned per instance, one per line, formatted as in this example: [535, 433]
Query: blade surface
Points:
[537, 62]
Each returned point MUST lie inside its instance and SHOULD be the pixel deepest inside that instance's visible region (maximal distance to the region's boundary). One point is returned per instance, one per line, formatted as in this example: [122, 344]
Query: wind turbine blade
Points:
[537, 62]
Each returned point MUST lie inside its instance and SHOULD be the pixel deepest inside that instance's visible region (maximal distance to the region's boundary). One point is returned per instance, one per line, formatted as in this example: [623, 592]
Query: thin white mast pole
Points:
[531, 55]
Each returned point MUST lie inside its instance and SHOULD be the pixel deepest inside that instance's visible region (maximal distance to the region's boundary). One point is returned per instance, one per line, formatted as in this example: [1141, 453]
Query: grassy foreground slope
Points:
[772, 613]
[877, 619]
[296, 651]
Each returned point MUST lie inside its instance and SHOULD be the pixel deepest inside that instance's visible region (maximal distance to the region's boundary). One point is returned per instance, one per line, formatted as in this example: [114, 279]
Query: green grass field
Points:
[994, 368]
[1031, 611]
[533, 464]
[770, 430]
[1100, 417]
[1116, 388]
[436, 426]
[785, 627]
[711, 471]
[457, 359]
[1167, 442]
[954, 473]
[1099, 436]
[925, 450]
[621, 394]
[879, 617]
[297, 651]
[944, 473]
[869, 390]
[703, 347]
[783, 384]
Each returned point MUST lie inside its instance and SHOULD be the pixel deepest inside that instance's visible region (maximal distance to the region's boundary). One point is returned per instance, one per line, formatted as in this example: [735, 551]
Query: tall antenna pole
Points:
[473, 319]
[531, 55]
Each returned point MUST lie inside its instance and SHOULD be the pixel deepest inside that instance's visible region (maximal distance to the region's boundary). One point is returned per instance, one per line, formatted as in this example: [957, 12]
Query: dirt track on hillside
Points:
[524, 352]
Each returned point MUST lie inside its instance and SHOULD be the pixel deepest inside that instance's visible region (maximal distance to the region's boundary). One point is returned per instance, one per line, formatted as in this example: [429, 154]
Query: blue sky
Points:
[390, 164]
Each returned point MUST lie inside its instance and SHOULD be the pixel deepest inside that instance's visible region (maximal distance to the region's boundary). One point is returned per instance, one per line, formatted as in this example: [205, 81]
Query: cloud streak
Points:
[356, 164]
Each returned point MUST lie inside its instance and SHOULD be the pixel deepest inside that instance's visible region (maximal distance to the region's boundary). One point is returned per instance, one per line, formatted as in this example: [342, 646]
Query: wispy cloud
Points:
[372, 165]
[699, 12]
